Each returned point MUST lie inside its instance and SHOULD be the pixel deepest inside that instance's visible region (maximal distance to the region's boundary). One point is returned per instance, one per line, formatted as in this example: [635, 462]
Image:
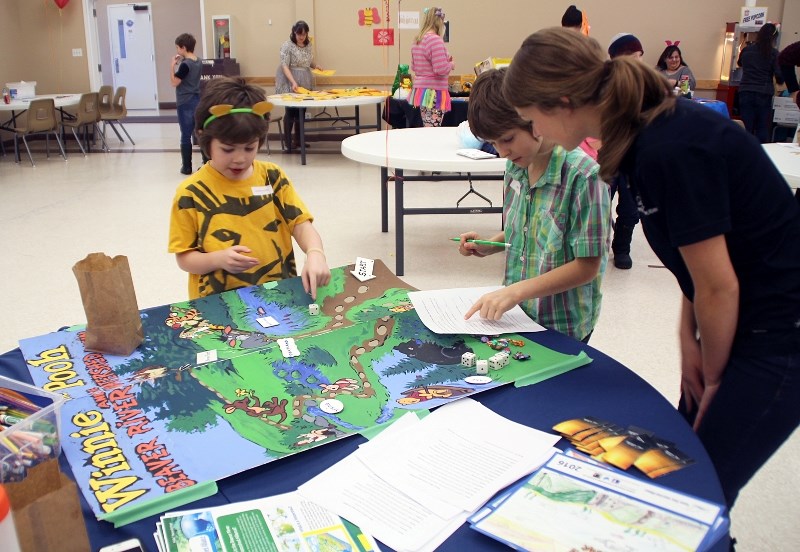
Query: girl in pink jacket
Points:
[432, 64]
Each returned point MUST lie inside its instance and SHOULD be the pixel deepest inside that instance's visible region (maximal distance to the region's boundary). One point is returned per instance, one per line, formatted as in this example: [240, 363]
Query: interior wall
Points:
[44, 36]
[39, 39]
[170, 18]
[343, 45]
[258, 28]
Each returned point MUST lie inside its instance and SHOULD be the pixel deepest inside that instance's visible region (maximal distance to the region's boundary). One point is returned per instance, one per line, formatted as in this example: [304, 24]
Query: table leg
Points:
[384, 199]
[13, 123]
[358, 121]
[379, 114]
[398, 221]
[302, 123]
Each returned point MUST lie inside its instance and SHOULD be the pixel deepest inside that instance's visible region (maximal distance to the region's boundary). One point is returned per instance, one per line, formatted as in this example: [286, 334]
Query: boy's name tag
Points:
[206, 356]
[363, 269]
[267, 321]
[262, 190]
[288, 347]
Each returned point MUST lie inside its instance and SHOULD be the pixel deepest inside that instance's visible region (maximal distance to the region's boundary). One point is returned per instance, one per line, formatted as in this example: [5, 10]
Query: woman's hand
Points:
[692, 384]
[294, 86]
[709, 392]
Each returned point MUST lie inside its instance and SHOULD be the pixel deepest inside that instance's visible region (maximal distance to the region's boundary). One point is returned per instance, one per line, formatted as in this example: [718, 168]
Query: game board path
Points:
[353, 289]
[382, 330]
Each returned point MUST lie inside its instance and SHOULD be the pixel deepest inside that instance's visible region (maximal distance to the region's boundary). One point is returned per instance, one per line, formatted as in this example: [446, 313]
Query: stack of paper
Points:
[282, 523]
[418, 481]
[571, 504]
[442, 311]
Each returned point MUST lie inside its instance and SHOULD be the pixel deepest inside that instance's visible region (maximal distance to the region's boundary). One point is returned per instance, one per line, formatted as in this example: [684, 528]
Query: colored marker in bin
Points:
[484, 242]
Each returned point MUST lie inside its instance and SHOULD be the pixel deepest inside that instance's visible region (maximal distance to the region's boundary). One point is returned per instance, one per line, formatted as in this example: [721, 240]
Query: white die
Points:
[495, 363]
[502, 358]
[313, 309]
[468, 359]
[482, 367]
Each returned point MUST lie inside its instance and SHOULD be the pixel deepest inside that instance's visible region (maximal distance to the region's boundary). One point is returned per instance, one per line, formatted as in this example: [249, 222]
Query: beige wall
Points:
[43, 36]
[343, 45]
[38, 40]
[170, 18]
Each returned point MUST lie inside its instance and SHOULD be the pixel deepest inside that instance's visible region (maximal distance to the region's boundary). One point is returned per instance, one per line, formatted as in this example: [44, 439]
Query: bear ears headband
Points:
[260, 109]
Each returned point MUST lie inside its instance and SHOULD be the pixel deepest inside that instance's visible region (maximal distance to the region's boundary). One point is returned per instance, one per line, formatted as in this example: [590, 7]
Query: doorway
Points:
[130, 28]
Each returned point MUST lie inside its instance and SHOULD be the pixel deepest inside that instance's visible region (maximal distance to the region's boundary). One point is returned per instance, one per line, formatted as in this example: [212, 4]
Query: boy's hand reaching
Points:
[492, 305]
[474, 249]
[315, 274]
[234, 260]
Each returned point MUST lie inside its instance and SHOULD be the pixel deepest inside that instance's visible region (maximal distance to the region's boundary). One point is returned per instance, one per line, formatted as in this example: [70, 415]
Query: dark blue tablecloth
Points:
[604, 389]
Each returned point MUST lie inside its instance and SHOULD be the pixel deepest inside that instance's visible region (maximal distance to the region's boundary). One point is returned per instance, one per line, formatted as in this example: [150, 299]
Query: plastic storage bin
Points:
[33, 439]
[22, 90]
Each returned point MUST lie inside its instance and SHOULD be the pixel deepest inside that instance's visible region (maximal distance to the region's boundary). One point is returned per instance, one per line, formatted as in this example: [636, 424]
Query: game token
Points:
[331, 406]
[478, 380]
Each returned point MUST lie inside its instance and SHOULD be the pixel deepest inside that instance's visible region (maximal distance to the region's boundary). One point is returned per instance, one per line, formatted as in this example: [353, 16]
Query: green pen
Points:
[484, 242]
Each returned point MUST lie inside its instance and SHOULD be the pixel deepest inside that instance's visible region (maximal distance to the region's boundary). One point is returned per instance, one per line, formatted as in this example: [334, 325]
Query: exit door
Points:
[133, 53]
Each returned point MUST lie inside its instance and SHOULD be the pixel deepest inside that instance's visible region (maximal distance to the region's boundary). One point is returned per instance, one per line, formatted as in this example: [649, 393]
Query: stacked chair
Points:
[112, 112]
[86, 118]
[40, 118]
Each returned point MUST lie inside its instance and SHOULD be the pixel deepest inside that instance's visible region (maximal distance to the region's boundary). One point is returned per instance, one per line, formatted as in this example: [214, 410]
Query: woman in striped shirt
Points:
[431, 64]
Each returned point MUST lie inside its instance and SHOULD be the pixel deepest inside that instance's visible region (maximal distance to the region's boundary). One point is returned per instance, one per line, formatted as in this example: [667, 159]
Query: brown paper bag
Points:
[113, 324]
[47, 511]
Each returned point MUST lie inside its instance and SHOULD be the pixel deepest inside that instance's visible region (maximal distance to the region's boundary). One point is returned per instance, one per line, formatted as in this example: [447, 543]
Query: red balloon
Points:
[61, 3]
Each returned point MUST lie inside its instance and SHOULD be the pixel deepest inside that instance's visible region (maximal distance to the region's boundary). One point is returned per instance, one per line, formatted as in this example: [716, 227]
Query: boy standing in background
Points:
[185, 78]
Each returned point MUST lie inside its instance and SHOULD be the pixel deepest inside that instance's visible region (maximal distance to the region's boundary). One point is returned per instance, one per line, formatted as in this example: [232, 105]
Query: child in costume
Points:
[232, 222]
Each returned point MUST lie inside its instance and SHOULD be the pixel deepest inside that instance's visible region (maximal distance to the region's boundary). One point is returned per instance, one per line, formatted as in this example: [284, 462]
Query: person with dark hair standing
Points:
[671, 65]
[574, 18]
[788, 61]
[719, 216]
[294, 71]
[624, 44]
[185, 78]
[759, 63]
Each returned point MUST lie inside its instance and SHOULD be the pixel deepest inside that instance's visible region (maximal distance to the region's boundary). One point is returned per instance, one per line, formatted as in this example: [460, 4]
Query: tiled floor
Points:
[56, 213]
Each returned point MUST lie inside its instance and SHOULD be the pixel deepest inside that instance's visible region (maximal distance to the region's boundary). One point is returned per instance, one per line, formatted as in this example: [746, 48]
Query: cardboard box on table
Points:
[21, 90]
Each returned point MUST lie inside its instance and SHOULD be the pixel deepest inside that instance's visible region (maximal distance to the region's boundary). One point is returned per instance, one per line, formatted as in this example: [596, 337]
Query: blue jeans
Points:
[186, 119]
[756, 408]
[756, 112]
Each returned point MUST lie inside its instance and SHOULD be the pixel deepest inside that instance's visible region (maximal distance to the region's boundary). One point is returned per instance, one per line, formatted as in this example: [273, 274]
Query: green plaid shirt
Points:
[565, 214]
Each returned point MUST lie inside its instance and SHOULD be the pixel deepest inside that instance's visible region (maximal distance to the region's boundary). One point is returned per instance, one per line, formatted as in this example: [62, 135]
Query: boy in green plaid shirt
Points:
[557, 220]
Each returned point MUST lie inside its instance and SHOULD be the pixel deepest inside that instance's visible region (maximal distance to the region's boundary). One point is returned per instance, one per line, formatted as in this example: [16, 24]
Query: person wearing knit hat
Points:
[625, 44]
[574, 18]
